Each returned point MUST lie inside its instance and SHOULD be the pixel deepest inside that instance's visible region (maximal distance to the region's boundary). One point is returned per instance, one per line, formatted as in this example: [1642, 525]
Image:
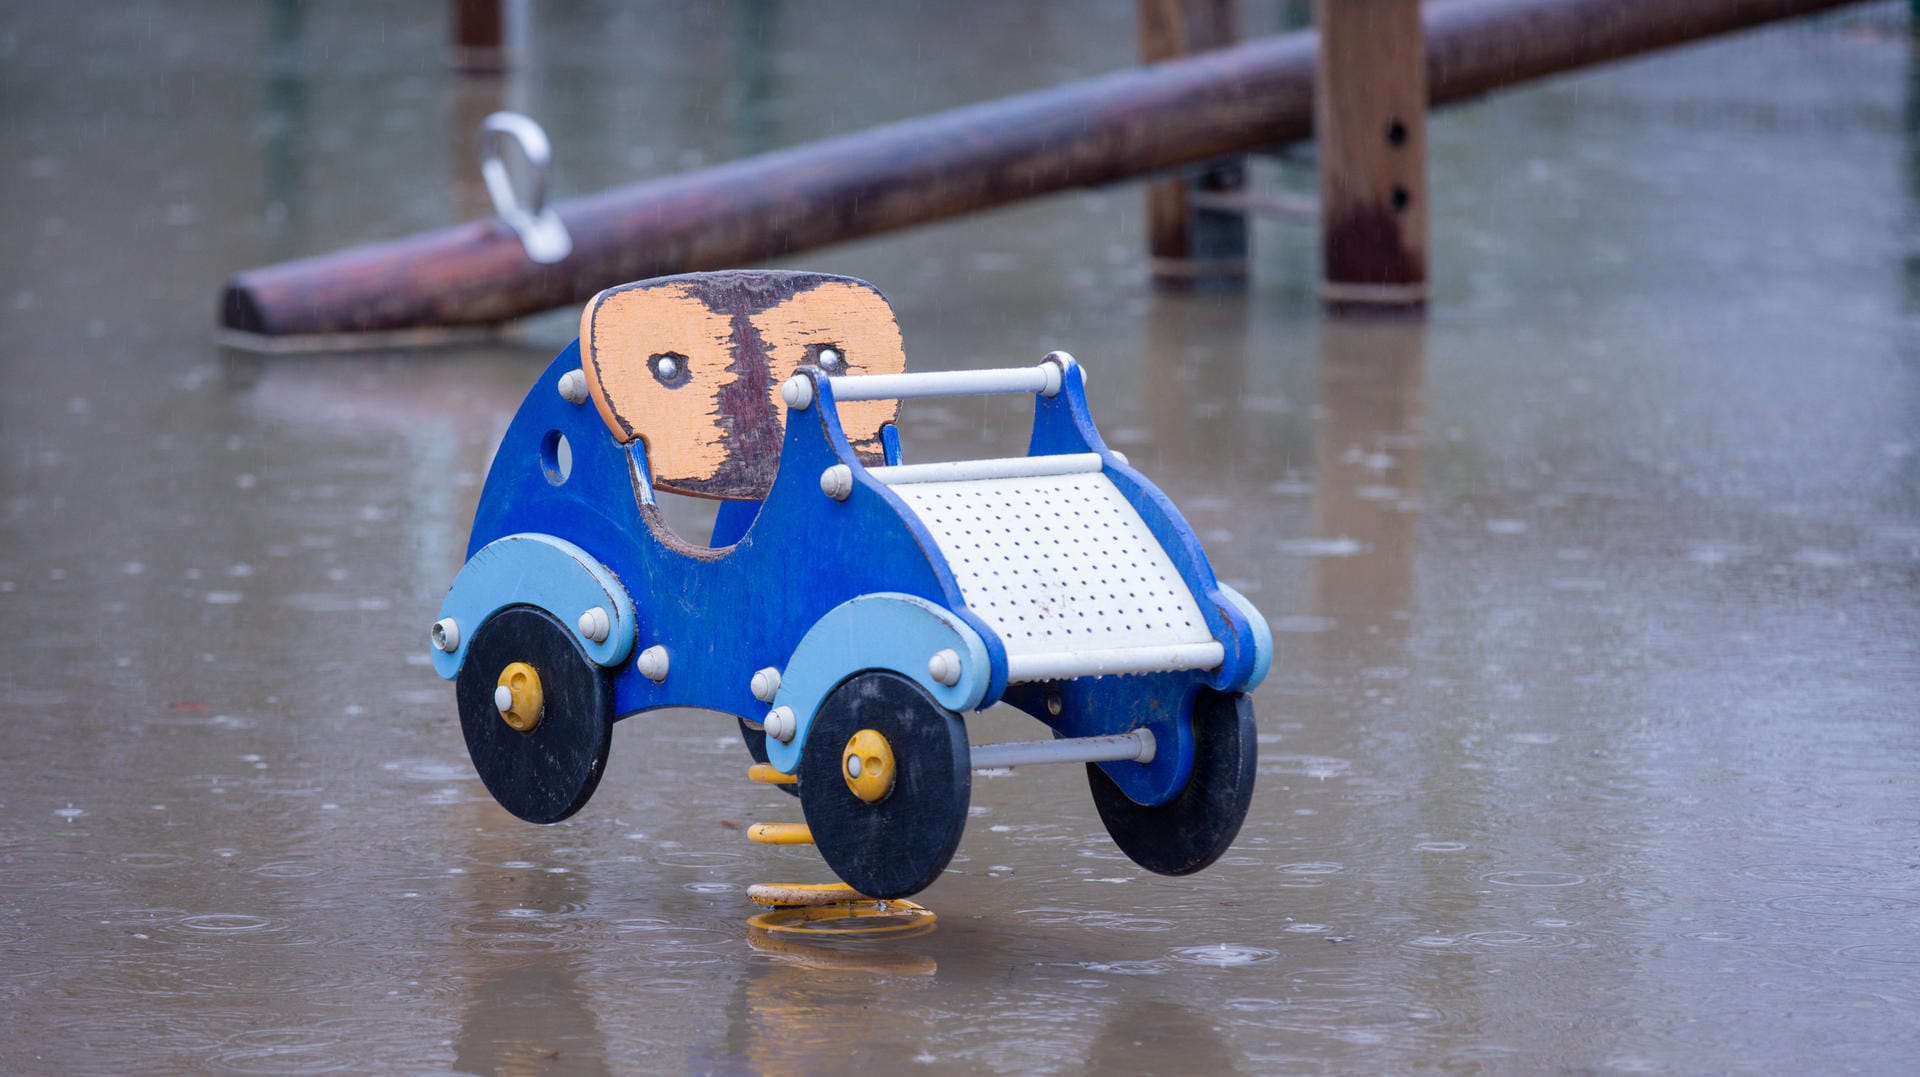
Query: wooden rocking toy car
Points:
[850, 607]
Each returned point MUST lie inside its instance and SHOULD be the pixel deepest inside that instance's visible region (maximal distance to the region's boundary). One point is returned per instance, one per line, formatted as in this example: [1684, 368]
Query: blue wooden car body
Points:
[814, 587]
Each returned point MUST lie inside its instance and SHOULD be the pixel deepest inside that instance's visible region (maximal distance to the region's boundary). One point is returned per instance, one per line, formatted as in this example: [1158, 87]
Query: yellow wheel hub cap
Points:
[867, 765]
[518, 696]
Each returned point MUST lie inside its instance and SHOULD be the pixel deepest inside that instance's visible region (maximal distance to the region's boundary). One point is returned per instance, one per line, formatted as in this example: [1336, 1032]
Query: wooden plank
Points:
[1187, 241]
[479, 37]
[693, 365]
[1370, 109]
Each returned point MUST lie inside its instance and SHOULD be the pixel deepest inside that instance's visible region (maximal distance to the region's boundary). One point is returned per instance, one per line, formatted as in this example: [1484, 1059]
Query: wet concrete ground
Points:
[1590, 744]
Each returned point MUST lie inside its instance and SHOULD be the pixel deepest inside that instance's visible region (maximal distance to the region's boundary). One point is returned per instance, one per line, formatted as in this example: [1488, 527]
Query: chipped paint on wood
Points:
[859, 325]
[622, 337]
[713, 420]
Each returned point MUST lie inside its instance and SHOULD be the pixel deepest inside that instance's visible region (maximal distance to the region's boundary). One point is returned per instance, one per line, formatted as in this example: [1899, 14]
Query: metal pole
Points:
[1130, 123]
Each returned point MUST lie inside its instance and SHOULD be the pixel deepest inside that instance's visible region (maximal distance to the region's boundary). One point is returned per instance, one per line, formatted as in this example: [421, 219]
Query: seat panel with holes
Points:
[856, 600]
[1058, 563]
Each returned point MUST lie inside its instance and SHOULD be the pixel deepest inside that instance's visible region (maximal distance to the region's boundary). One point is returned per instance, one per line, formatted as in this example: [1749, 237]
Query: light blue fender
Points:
[1262, 639]
[887, 631]
[536, 570]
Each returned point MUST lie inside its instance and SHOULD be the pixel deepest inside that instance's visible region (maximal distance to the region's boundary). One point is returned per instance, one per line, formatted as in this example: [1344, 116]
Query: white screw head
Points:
[945, 667]
[1148, 746]
[837, 482]
[765, 684]
[445, 634]
[829, 359]
[853, 765]
[780, 724]
[595, 625]
[667, 367]
[573, 387]
[797, 392]
[653, 663]
[503, 699]
[1120, 456]
[1051, 387]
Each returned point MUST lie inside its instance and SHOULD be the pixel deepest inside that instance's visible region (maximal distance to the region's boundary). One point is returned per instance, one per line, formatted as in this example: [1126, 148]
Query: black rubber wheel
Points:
[757, 748]
[547, 773]
[899, 844]
[1190, 831]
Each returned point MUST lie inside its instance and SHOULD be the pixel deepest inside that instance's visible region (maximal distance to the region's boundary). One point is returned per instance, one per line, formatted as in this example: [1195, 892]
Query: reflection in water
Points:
[819, 1007]
[529, 1017]
[1367, 450]
[525, 1010]
[826, 956]
[756, 28]
[1910, 130]
[1189, 383]
[283, 121]
[1158, 1035]
[472, 101]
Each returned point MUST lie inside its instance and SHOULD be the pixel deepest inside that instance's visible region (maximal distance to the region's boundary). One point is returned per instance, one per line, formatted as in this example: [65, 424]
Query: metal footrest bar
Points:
[1137, 746]
[780, 834]
[1066, 665]
[766, 774]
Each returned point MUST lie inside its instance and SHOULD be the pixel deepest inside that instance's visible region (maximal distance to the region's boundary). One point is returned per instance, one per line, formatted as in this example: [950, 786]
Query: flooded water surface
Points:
[1590, 742]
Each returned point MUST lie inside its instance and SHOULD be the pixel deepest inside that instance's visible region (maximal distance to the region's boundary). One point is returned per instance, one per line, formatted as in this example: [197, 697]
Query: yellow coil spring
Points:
[825, 909]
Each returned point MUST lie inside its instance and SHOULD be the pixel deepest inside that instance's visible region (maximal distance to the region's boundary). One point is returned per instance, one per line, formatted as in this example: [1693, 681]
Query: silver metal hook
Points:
[540, 229]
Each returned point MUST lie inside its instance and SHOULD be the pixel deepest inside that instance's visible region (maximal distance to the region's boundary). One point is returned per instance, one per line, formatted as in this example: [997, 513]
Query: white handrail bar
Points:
[1010, 467]
[1042, 378]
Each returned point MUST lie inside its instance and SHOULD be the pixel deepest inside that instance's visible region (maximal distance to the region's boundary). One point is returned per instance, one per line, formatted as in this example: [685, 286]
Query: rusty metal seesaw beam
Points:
[1126, 124]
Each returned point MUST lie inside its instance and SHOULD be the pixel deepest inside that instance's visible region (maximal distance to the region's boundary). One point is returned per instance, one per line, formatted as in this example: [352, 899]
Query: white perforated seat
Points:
[1064, 570]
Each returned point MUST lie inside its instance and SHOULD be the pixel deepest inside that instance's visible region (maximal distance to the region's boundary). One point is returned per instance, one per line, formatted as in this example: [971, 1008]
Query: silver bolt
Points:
[667, 367]
[853, 766]
[779, 724]
[837, 482]
[653, 663]
[445, 634]
[797, 392]
[765, 684]
[503, 699]
[573, 387]
[945, 667]
[595, 625]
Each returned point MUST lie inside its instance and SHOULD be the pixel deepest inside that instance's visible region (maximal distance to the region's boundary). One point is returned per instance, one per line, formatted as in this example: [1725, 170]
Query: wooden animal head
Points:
[692, 365]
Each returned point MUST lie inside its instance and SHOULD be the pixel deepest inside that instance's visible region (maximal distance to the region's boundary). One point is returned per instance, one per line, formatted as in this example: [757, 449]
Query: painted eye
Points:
[828, 357]
[670, 369]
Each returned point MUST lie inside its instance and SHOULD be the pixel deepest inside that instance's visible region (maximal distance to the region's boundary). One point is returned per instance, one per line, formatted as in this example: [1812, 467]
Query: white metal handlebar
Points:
[1043, 378]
